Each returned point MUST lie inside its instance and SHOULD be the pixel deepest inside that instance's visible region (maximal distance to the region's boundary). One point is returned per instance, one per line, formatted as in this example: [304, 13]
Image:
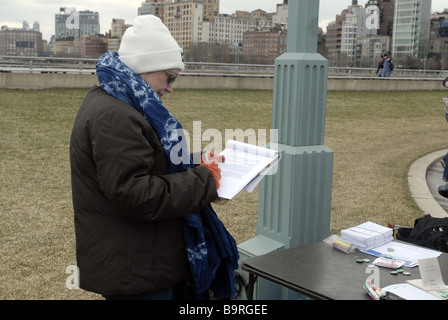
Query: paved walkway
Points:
[425, 177]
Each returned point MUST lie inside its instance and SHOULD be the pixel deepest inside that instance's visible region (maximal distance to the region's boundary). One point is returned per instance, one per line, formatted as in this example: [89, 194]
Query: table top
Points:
[322, 272]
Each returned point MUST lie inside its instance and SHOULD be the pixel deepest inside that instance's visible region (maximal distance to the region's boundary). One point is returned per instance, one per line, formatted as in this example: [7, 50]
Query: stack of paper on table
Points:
[378, 241]
[368, 235]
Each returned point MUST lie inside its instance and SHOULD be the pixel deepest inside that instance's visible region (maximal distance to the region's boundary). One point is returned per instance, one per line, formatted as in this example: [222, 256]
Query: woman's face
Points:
[161, 81]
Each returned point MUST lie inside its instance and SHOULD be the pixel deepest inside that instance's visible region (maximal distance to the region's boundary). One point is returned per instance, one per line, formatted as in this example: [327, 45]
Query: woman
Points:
[144, 225]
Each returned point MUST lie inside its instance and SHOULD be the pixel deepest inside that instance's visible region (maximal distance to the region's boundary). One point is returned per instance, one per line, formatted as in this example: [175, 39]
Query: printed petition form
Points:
[244, 167]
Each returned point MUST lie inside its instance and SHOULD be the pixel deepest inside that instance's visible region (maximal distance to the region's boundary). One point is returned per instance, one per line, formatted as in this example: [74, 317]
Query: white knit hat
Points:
[148, 46]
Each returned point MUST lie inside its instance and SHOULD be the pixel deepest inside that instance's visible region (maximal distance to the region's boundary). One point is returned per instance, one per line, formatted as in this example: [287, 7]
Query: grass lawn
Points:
[375, 137]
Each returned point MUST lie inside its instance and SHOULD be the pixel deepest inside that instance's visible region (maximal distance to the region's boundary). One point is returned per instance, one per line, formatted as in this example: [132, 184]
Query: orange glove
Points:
[207, 156]
[212, 165]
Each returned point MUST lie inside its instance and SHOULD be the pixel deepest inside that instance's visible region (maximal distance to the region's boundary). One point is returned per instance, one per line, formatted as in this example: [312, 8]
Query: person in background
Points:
[145, 229]
[387, 67]
[443, 190]
[379, 71]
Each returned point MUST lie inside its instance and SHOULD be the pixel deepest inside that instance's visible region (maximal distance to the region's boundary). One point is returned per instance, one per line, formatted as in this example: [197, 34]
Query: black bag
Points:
[427, 232]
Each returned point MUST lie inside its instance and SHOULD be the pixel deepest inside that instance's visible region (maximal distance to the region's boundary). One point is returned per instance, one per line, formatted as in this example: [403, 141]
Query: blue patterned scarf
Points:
[211, 250]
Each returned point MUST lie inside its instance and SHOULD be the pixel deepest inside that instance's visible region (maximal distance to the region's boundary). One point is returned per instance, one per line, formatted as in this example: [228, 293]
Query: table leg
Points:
[250, 286]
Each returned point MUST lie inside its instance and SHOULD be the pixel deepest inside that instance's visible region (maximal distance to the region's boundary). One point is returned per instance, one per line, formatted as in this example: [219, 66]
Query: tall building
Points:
[263, 47]
[281, 17]
[355, 27]
[386, 12]
[439, 23]
[90, 47]
[70, 23]
[154, 7]
[184, 19]
[20, 42]
[370, 49]
[118, 28]
[411, 28]
[36, 26]
[230, 29]
[195, 23]
[438, 40]
[210, 7]
[333, 39]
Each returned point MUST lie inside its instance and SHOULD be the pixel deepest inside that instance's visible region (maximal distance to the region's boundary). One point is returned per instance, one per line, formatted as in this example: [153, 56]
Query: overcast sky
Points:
[13, 12]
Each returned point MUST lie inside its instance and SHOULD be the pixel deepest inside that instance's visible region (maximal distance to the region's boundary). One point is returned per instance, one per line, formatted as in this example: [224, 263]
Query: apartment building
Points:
[210, 7]
[263, 47]
[194, 22]
[118, 28]
[20, 42]
[353, 28]
[411, 28]
[370, 49]
[184, 20]
[90, 47]
[70, 23]
[386, 15]
[334, 36]
[282, 14]
[230, 29]
[352, 40]
[438, 39]
[154, 7]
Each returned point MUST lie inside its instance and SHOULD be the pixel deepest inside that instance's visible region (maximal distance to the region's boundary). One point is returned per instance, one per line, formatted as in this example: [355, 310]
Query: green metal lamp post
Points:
[295, 203]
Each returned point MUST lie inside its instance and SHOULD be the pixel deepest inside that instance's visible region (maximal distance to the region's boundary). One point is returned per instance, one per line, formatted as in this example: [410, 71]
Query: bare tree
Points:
[209, 52]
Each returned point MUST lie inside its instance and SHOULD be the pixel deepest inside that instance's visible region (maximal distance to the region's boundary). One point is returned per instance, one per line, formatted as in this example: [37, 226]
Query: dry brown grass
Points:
[375, 137]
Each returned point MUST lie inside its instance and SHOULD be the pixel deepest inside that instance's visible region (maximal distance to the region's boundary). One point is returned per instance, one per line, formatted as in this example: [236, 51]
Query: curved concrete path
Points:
[424, 178]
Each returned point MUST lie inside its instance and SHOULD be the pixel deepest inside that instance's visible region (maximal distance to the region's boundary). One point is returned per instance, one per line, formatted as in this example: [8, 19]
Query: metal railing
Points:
[15, 64]
[47, 65]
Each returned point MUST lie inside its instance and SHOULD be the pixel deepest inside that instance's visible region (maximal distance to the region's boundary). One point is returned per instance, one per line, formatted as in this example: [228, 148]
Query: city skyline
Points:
[14, 13]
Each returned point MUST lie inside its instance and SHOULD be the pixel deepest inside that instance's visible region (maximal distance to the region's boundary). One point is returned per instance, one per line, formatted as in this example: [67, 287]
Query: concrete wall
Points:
[384, 84]
[48, 81]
